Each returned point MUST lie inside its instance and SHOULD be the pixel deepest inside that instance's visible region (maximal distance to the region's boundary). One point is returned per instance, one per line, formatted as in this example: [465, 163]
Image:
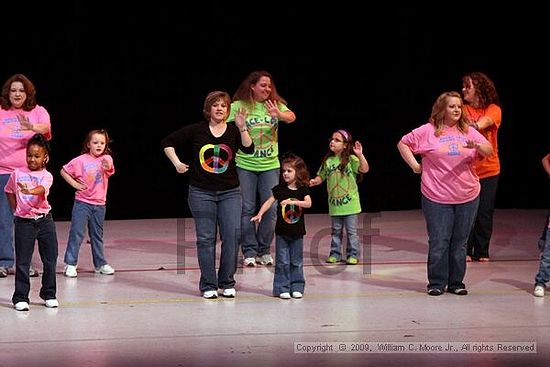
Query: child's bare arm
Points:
[265, 207]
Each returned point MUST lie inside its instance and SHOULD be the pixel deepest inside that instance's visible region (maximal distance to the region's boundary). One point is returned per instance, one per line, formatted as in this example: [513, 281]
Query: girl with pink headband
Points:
[341, 167]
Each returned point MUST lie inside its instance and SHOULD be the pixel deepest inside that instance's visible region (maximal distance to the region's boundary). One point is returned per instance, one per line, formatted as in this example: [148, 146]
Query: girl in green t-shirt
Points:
[341, 167]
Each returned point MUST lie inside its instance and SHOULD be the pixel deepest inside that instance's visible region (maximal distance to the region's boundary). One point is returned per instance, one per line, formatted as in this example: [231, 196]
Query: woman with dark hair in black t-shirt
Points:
[214, 192]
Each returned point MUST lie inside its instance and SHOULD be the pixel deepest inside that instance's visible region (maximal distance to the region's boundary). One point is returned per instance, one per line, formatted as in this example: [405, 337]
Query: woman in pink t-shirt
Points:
[449, 186]
[20, 118]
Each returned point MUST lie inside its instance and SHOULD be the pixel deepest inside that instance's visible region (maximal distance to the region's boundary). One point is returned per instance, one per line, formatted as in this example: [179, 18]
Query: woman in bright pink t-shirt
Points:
[20, 118]
[450, 188]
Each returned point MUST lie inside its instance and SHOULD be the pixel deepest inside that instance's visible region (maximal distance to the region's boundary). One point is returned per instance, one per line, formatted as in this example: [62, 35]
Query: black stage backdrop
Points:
[144, 71]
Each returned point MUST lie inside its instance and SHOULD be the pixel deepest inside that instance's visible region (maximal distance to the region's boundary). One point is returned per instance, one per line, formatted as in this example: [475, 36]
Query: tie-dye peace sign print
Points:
[291, 213]
[215, 158]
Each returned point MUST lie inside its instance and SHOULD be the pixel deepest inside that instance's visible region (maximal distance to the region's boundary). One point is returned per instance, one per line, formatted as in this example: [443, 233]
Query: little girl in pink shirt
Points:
[27, 191]
[89, 174]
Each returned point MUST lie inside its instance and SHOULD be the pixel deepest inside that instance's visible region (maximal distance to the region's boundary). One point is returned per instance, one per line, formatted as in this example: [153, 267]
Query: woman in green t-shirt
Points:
[259, 172]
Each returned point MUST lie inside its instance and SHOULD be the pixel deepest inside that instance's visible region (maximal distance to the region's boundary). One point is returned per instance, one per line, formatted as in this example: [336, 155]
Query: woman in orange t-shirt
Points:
[482, 107]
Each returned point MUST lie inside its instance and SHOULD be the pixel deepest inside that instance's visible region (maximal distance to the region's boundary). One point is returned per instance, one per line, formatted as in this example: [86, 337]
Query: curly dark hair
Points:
[41, 141]
[484, 88]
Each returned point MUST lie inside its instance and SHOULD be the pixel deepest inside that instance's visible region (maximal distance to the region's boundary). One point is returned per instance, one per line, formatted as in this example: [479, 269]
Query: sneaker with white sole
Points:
[210, 294]
[21, 306]
[229, 293]
[539, 291]
[284, 295]
[33, 273]
[70, 271]
[249, 261]
[52, 303]
[105, 269]
[265, 259]
[297, 294]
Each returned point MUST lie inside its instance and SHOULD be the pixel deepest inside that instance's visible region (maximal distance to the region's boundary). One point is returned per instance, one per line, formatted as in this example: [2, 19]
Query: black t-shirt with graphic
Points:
[212, 165]
[290, 218]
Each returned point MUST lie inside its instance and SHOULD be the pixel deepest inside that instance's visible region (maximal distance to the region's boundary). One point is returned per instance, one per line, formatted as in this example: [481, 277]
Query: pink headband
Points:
[344, 133]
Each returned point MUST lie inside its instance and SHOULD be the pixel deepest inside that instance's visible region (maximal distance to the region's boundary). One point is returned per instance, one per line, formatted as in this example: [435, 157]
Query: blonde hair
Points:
[439, 109]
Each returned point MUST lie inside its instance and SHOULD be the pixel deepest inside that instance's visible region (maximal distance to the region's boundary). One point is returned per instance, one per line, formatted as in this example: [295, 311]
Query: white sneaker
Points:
[297, 295]
[284, 295]
[105, 269]
[229, 292]
[210, 294]
[539, 291]
[70, 271]
[249, 261]
[265, 259]
[52, 303]
[21, 306]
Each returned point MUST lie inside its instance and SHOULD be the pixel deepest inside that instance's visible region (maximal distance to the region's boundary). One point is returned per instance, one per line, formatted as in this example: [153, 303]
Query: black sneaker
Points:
[33, 273]
[435, 292]
[458, 291]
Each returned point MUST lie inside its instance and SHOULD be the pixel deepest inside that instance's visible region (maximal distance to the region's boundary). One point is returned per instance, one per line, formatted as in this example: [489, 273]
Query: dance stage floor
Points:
[150, 312]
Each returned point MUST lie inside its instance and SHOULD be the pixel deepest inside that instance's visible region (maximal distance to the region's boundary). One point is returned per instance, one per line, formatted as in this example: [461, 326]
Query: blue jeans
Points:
[448, 228]
[211, 209]
[543, 276]
[27, 232]
[93, 216]
[6, 226]
[289, 265]
[338, 224]
[257, 242]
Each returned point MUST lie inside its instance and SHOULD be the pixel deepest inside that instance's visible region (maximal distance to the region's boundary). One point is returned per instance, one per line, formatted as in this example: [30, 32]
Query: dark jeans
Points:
[448, 227]
[27, 232]
[480, 235]
[211, 209]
